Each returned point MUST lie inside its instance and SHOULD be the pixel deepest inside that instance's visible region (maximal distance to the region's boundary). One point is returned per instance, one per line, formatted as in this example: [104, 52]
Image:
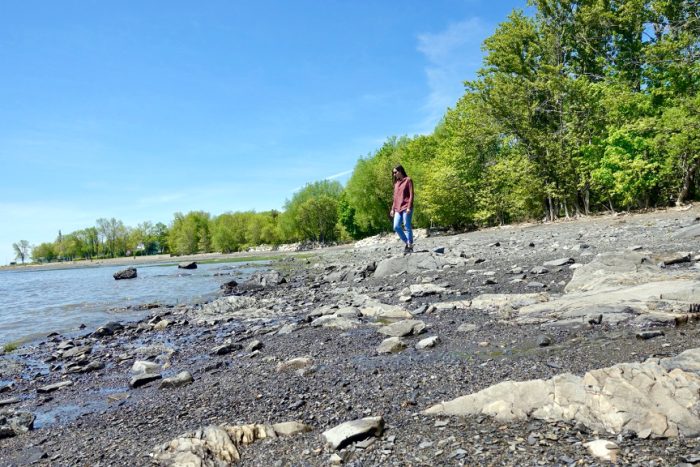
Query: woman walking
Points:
[402, 207]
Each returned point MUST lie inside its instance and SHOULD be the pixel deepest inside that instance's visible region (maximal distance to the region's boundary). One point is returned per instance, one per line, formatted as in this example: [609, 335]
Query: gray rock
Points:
[187, 265]
[555, 263]
[254, 345]
[391, 345]
[539, 270]
[298, 363]
[77, 352]
[428, 342]
[181, 379]
[352, 431]
[535, 285]
[143, 379]
[677, 259]
[403, 328]
[467, 327]
[644, 398]
[128, 273]
[54, 387]
[14, 423]
[143, 366]
[412, 264]
[544, 341]
[335, 322]
[645, 335]
[10, 401]
[108, 329]
[224, 349]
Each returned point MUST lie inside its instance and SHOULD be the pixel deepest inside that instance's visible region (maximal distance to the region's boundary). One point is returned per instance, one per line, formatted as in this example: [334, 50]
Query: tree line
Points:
[583, 106]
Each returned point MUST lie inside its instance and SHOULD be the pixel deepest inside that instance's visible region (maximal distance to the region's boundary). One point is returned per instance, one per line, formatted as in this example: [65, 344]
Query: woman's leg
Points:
[398, 228]
[407, 217]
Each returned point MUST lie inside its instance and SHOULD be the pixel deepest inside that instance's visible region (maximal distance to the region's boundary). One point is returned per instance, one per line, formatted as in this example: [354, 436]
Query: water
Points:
[35, 303]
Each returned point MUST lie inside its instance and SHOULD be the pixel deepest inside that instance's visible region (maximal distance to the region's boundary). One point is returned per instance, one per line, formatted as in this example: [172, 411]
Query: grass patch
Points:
[10, 347]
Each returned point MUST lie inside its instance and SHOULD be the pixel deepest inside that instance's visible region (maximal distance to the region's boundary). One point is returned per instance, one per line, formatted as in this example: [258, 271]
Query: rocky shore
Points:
[571, 343]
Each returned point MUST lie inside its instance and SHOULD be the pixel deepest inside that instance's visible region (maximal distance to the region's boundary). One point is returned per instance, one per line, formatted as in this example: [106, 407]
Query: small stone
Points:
[254, 345]
[467, 327]
[391, 345]
[544, 341]
[298, 363]
[603, 449]
[143, 366]
[644, 335]
[355, 430]
[225, 349]
[428, 342]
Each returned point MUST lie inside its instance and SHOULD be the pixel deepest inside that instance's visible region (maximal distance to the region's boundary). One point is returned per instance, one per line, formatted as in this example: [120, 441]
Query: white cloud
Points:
[339, 175]
[454, 56]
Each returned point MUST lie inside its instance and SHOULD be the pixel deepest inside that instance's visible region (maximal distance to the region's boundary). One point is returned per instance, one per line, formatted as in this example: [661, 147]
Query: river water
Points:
[35, 303]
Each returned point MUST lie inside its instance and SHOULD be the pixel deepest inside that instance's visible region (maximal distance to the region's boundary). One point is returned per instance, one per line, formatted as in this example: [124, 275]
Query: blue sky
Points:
[137, 110]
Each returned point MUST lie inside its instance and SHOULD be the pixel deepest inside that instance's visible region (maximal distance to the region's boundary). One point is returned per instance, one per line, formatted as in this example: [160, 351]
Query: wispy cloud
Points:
[453, 55]
[339, 175]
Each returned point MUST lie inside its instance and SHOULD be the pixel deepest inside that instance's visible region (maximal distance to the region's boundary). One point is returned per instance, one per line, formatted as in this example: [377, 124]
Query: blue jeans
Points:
[405, 218]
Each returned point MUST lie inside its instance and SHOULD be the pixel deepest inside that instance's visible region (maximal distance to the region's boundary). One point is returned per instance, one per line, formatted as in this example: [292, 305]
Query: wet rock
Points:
[428, 342]
[128, 273]
[355, 430]
[108, 329]
[10, 401]
[181, 379]
[143, 379]
[6, 387]
[229, 287]
[14, 423]
[187, 265]
[391, 345]
[298, 363]
[54, 387]
[403, 328]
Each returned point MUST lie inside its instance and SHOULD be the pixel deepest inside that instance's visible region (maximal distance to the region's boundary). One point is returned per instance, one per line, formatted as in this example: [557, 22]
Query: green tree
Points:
[43, 253]
[190, 233]
[312, 213]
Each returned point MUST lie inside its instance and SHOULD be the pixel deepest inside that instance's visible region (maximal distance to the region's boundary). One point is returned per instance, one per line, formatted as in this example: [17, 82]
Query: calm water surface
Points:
[35, 303]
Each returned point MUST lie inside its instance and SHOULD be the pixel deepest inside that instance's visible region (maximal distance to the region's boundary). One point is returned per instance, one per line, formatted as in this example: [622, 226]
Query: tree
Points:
[312, 213]
[21, 250]
[190, 233]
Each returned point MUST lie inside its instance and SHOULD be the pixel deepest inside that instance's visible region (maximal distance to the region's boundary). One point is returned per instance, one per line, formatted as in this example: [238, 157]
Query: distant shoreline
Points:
[158, 259]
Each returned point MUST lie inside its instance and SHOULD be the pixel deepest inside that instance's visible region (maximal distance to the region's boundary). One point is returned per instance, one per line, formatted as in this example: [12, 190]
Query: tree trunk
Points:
[685, 187]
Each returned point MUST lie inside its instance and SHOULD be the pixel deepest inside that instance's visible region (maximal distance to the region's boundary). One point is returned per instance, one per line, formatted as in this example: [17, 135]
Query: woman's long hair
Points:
[399, 168]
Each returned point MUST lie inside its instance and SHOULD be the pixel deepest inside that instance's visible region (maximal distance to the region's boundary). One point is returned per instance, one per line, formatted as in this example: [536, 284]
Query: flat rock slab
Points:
[655, 398]
[355, 430]
[648, 302]
[493, 302]
[54, 387]
[555, 263]
[379, 310]
[335, 322]
[235, 307]
[611, 269]
[403, 328]
[422, 290]
[411, 264]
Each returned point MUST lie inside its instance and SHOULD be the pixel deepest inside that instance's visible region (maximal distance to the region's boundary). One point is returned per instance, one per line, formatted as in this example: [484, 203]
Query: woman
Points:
[402, 207]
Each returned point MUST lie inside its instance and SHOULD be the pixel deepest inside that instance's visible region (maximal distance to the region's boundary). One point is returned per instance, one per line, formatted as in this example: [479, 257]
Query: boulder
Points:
[355, 430]
[383, 311]
[335, 322]
[228, 287]
[128, 273]
[142, 366]
[187, 265]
